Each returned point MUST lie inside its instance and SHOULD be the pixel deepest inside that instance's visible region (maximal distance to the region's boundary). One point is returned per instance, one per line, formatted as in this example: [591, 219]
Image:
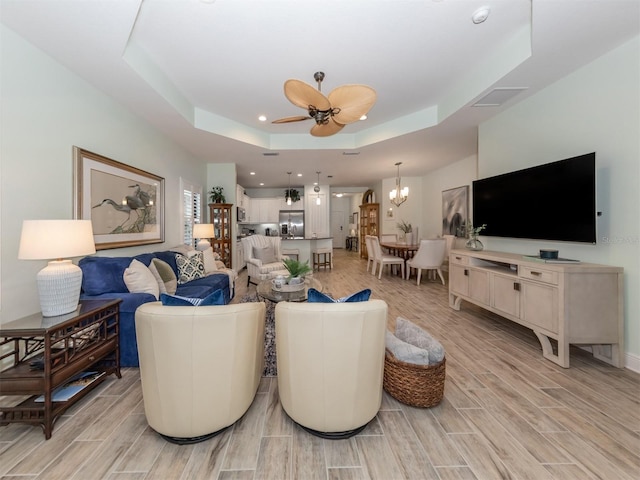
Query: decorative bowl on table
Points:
[288, 287]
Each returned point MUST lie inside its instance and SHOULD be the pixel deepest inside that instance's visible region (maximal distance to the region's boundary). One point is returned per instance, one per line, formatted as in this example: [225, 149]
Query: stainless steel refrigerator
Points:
[291, 223]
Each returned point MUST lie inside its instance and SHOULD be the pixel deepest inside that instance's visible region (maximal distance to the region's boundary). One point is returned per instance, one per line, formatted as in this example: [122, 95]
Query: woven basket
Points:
[411, 384]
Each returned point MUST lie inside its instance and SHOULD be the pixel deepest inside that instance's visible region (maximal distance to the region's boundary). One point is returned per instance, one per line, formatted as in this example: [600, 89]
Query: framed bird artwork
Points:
[125, 204]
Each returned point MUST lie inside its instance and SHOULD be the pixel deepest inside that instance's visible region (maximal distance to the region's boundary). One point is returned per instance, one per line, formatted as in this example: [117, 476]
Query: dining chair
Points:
[389, 238]
[383, 259]
[450, 240]
[370, 253]
[429, 256]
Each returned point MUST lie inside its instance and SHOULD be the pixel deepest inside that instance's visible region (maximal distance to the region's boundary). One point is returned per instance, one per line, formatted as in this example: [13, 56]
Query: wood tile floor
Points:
[506, 413]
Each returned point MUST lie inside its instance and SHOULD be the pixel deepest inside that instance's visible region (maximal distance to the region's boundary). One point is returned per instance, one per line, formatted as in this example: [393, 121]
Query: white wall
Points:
[457, 174]
[46, 110]
[594, 109]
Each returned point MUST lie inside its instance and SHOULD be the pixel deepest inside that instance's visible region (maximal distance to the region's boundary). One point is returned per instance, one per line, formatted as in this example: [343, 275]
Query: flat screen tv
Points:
[554, 201]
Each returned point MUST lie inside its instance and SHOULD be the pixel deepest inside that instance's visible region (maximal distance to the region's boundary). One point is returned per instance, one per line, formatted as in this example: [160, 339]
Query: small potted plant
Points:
[216, 195]
[296, 269]
[472, 234]
[407, 232]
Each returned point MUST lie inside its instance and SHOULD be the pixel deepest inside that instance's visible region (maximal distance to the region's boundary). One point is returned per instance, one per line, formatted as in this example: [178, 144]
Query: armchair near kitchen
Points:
[263, 255]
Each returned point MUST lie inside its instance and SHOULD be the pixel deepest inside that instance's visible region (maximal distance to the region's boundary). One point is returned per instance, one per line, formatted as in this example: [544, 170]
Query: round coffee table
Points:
[266, 291]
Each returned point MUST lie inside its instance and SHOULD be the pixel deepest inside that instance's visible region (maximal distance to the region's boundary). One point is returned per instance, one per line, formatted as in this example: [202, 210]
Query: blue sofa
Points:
[102, 277]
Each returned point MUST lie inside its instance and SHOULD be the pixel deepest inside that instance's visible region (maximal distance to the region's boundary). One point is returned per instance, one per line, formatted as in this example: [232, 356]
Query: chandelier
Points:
[398, 195]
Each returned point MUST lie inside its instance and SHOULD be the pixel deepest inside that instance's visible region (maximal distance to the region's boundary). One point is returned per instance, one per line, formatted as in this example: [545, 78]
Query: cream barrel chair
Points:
[200, 366]
[429, 256]
[330, 364]
[259, 262]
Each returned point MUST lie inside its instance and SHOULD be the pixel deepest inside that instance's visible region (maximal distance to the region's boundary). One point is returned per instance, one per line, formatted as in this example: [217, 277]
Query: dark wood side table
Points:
[49, 351]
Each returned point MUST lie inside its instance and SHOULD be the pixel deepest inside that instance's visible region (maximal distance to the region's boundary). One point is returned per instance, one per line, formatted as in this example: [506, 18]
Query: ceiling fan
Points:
[344, 105]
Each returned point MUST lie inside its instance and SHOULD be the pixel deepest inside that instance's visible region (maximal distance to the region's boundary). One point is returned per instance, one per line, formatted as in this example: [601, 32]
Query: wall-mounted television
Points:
[554, 201]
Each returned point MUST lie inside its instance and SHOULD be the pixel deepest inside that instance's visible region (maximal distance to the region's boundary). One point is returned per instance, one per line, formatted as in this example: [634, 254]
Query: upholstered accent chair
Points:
[429, 256]
[263, 255]
[200, 366]
[330, 364]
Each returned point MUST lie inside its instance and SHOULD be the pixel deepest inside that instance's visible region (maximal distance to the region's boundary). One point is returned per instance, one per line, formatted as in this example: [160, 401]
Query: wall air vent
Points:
[498, 96]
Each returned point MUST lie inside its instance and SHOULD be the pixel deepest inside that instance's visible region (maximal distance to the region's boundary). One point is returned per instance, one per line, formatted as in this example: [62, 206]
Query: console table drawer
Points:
[459, 259]
[545, 276]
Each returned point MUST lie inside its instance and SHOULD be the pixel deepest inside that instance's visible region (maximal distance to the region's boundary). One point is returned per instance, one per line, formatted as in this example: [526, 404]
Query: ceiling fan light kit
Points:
[344, 105]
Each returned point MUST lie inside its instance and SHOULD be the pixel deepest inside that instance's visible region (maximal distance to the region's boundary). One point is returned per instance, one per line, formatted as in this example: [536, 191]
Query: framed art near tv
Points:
[455, 210]
[125, 204]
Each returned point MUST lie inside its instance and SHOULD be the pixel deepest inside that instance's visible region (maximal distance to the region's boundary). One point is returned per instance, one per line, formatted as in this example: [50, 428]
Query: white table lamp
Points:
[60, 281]
[203, 231]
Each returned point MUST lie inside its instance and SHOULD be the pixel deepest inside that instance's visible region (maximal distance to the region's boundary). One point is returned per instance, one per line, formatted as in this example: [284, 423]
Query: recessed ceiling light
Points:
[252, 173]
[262, 118]
[299, 174]
[339, 195]
[363, 117]
[261, 184]
[480, 15]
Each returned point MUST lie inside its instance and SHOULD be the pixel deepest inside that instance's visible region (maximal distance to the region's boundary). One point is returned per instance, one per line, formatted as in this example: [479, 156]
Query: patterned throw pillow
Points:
[189, 268]
[215, 298]
[314, 296]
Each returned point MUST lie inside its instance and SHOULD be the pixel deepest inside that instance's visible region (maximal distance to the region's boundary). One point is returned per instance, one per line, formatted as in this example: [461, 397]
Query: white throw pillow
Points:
[209, 261]
[139, 279]
[161, 286]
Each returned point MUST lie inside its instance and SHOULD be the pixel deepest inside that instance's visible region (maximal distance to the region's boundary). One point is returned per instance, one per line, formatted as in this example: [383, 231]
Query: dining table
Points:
[404, 250]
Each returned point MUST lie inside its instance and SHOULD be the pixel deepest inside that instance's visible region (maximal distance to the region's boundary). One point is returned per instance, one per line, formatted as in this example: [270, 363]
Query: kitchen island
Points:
[306, 245]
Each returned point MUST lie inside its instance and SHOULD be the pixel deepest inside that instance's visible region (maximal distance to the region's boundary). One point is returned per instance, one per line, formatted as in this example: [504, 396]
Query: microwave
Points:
[241, 215]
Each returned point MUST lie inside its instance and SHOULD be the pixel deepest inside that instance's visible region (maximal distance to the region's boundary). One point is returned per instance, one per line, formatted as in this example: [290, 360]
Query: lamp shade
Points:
[49, 239]
[60, 281]
[203, 230]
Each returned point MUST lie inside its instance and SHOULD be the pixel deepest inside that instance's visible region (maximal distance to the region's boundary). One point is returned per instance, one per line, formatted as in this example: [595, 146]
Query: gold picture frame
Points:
[125, 204]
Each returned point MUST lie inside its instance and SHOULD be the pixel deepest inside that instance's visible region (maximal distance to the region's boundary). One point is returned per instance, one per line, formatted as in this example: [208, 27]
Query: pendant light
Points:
[289, 201]
[398, 195]
[317, 190]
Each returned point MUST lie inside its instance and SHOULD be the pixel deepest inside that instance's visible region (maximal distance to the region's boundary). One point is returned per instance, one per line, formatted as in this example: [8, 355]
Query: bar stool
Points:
[323, 257]
[291, 252]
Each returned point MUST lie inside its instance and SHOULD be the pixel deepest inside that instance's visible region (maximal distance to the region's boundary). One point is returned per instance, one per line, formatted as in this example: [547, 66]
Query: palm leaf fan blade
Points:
[298, 118]
[353, 102]
[326, 130]
[304, 95]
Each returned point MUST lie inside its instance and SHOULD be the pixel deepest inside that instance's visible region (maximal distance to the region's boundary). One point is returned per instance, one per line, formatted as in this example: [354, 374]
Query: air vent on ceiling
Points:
[350, 153]
[498, 96]
[271, 154]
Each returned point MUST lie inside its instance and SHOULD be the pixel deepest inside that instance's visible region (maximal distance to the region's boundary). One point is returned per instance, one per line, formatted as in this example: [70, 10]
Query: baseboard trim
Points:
[631, 361]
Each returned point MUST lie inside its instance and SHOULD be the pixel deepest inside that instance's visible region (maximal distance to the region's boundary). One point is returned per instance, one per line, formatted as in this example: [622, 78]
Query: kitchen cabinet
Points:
[264, 210]
[571, 303]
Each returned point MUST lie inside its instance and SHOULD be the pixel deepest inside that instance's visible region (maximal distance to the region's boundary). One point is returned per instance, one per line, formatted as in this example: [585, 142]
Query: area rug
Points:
[270, 367]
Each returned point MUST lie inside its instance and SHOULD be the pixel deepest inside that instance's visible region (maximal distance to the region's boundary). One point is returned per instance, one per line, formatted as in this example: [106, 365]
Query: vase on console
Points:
[474, 244]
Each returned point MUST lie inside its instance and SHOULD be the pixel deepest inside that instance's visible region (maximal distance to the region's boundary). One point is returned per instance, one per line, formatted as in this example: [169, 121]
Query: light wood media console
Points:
[579, 303]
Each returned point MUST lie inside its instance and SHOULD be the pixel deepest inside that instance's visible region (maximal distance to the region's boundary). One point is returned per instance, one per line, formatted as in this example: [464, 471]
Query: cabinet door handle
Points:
[516, 286]
[458, 258]
[466, 272]
[537, 274]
